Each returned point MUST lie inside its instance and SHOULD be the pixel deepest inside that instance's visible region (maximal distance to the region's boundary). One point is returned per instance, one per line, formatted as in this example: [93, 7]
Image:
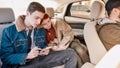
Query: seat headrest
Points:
[50, 11]
[97, 10]
[6, 15]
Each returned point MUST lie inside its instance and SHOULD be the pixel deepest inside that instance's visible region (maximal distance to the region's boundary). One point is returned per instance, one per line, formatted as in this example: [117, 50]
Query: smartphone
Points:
[48, 47]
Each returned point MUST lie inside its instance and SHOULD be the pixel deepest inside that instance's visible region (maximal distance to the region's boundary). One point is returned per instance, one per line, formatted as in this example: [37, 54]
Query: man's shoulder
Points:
[105, 27]
[105, 20]
[41, 30]
[108, 28]
[11, 26]
[109, 25]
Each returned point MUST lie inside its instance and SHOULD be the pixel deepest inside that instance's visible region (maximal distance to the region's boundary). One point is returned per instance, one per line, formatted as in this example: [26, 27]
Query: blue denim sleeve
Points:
[7, 52]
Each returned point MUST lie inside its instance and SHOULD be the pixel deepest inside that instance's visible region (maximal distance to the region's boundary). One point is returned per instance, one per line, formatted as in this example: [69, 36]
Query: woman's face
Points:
[46, 23]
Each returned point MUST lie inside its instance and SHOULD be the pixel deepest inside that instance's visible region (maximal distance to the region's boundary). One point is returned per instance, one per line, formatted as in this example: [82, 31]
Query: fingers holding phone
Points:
[33, 53]
[45, 51]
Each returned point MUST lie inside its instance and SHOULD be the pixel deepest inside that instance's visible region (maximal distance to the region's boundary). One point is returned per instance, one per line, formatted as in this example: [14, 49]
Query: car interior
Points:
[7, 18]
[99, 56]
[95, 47]
[84, 29]
[95, 54]
[50, 12]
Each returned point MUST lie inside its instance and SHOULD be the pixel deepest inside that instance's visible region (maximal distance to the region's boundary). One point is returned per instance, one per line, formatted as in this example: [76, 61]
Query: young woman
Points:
[60, 36]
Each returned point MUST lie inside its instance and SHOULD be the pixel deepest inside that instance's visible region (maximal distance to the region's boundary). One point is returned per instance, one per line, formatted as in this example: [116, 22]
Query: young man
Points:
[23, 45]
[109, 32]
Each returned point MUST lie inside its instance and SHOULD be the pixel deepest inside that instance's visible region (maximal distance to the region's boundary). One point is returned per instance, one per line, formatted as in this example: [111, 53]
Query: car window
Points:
[80, 9]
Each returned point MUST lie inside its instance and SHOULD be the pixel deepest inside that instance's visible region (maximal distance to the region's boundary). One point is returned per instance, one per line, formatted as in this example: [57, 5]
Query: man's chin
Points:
[34, 26]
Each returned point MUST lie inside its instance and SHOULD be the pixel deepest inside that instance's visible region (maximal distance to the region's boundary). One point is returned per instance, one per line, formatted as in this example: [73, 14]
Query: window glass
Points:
[80, 9]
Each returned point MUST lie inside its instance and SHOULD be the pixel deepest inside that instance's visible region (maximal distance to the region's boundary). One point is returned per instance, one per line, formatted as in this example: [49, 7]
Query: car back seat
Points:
[95, 47]
[6, 19]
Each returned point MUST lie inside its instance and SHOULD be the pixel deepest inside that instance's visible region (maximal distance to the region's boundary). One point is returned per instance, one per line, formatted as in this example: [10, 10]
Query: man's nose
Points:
[39, 21]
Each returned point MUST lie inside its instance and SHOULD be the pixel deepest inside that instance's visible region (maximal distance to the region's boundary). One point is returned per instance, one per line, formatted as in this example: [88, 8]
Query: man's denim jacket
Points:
[14, 44]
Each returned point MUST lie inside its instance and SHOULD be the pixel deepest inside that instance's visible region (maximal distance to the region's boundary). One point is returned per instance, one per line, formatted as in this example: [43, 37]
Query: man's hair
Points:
[35, 6]
[112, 4]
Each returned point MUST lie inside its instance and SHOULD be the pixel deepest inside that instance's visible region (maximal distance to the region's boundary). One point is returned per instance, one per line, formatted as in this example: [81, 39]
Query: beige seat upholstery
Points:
[111, 58]
[97, 10]
[95, 47]
[50, 11]
[92, 40]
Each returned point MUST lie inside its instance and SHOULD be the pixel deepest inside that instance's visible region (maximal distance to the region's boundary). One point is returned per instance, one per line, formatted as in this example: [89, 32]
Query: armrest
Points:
[111, 58]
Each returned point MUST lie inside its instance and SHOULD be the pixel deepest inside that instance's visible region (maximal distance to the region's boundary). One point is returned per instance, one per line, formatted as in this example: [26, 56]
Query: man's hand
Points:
[45, 51]
[33, 53]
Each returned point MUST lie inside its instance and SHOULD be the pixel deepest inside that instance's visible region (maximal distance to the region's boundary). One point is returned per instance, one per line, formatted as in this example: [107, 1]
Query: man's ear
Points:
[115, 11]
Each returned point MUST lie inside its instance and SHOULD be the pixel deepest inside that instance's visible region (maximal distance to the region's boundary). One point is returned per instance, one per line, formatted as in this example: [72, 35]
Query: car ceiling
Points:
[68, 1]
[64, 1]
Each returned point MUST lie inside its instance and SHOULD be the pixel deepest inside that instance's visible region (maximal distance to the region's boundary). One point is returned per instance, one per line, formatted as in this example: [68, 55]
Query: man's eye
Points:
[36, 18]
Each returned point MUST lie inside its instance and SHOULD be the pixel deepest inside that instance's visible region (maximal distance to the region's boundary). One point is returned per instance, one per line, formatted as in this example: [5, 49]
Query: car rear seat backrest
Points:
[97, 10]
[50, 11]
[6, 19]
[95, 46]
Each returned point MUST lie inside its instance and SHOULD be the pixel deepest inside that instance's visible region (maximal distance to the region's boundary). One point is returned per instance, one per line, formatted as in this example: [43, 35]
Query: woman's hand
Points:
[58, 48]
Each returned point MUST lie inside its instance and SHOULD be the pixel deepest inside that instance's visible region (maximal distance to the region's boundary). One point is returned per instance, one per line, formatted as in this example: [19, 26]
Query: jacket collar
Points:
[20, 25]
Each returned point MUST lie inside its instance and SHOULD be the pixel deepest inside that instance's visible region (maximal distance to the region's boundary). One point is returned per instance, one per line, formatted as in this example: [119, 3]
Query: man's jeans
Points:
[66, 57]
